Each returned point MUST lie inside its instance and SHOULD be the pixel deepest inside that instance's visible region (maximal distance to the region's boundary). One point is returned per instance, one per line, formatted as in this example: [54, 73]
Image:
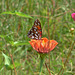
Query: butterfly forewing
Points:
[36, 31]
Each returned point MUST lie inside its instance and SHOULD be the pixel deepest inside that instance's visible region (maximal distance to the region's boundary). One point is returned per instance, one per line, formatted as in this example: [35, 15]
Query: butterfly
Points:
[35, 32]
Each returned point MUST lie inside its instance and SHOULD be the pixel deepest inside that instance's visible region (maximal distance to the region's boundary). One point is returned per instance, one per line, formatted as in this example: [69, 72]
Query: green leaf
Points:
[8, 12]
[7, 59]
[16, 13]
[22, 15]
[8, 63]
[17, 43]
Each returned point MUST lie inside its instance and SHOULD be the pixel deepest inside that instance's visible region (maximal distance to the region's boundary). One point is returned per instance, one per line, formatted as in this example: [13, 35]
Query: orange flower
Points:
[44, 45]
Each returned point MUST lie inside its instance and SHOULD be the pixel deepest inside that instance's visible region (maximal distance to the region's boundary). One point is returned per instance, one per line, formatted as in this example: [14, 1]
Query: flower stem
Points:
[41, 62]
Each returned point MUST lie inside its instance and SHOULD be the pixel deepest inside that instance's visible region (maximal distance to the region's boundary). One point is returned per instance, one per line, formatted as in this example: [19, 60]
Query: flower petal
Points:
[44, 45]
[53, 44]
[73, 16]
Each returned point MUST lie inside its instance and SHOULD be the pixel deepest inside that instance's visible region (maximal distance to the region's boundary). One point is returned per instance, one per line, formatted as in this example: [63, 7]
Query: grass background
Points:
[16, 19]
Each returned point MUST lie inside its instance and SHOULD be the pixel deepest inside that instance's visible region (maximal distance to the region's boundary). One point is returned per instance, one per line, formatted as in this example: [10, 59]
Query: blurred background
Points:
[16, 19]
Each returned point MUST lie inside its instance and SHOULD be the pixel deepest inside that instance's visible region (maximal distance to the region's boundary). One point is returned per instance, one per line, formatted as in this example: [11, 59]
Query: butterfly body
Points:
[36, 31]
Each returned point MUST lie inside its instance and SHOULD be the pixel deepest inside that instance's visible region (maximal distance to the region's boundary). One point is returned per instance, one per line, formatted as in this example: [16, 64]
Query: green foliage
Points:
[16, 13]
[7, 59]
[8, 64]
[17, 17]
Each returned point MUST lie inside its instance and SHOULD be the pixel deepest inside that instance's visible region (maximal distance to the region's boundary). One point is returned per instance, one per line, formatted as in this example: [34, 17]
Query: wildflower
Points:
[73, 16]
[72, 29]
[44, 45]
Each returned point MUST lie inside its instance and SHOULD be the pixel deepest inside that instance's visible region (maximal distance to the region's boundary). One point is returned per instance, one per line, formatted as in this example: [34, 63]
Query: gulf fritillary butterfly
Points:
[36, 31]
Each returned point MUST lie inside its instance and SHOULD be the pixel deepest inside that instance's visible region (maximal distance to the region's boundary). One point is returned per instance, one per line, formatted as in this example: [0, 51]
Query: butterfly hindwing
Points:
[36, 31]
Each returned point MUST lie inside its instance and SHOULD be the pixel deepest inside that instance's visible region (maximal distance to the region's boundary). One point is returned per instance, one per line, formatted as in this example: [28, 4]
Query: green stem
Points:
[41, 62]
[11, 71]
